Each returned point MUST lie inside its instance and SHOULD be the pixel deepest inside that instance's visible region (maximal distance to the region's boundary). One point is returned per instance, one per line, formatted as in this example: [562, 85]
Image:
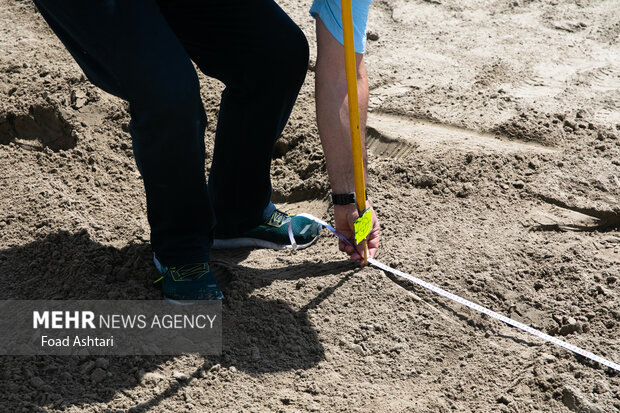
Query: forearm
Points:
[333, 109]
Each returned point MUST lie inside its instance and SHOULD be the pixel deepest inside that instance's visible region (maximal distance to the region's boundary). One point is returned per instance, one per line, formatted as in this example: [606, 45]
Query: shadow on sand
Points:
[260, 334]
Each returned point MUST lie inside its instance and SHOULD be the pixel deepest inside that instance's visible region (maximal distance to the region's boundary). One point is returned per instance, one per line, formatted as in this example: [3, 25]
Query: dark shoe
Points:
[188, 282]
[274, 234]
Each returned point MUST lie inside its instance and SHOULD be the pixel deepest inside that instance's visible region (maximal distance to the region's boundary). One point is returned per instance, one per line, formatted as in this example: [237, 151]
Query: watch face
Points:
[343, 199]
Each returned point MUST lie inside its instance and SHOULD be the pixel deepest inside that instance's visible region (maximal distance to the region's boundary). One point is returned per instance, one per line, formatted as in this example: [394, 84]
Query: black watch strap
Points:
[344, 199]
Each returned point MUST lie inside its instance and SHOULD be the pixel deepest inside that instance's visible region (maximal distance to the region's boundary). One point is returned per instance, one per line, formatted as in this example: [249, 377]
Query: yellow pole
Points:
[354, 117]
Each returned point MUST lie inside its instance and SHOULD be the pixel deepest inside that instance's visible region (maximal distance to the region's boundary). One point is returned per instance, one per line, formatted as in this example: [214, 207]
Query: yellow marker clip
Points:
[363, 226]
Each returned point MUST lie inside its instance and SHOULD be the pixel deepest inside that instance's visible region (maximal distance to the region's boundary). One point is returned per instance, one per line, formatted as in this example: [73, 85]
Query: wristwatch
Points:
[344, 199]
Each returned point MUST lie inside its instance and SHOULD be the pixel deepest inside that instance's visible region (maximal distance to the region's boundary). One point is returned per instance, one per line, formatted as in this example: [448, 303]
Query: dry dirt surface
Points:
[494, 143]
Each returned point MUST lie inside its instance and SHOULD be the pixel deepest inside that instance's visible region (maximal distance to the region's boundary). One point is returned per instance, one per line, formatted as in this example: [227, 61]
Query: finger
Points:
[362, 262]
[373, 240]
[373, 247]
[372, 252]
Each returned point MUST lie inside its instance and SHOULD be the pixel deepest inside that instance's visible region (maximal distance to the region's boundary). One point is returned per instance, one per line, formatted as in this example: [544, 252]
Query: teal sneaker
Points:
[281, 231]
[188, 282]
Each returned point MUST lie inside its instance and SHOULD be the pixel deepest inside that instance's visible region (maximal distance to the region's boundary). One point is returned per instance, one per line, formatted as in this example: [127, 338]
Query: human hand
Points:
[344, 217]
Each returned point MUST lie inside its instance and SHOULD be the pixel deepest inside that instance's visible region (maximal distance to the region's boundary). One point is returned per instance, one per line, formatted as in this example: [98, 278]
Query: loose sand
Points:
[494, 143]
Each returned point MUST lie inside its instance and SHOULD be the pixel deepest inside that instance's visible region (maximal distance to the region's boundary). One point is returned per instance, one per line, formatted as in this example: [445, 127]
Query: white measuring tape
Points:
[467, 303]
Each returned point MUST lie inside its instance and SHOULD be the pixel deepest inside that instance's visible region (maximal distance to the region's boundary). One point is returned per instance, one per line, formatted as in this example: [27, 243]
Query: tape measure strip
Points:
[474, 306]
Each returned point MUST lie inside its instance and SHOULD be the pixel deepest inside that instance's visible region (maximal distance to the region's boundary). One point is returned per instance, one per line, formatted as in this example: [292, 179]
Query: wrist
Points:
[346, 198]
[349, 209]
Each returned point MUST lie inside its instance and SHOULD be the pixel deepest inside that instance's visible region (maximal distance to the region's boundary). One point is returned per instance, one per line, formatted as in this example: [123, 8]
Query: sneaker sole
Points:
[158, 265]
[229, 243]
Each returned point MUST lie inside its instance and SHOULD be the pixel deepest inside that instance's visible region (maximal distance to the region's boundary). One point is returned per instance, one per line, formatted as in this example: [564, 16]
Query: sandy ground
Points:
[494, 137]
